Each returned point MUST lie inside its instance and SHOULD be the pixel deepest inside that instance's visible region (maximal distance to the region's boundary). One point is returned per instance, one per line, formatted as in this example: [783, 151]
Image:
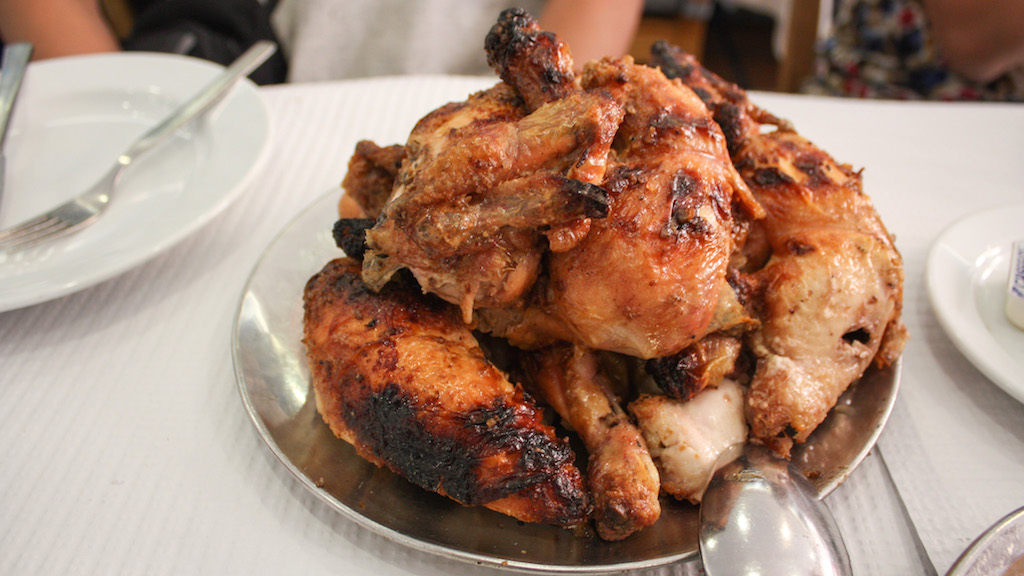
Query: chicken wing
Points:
[399, 376]
[825, 277]
[535, 62]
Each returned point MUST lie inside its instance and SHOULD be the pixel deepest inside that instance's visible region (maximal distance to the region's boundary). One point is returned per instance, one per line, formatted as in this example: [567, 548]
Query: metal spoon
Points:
[759, 515]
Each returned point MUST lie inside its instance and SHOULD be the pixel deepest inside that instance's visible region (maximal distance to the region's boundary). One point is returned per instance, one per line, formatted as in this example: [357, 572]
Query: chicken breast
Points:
[686, 438]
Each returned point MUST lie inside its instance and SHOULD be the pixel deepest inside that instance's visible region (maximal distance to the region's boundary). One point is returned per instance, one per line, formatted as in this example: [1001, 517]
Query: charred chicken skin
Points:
[825, 278]
[400, 377]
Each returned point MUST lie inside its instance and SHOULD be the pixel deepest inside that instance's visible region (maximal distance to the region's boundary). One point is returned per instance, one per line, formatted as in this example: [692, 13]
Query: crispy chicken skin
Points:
[825, 277]
[482, 182]
[399, 376]
[702, 364]
[621, 476]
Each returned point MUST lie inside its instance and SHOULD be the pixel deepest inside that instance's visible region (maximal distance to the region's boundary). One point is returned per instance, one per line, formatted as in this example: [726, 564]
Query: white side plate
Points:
[74, 116]
[966, 275]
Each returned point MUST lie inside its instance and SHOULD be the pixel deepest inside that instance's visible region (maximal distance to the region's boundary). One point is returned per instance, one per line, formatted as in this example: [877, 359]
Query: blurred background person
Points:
[924, 49]
[329, 39]
[319, 39]
[215, 30]
[57, 27]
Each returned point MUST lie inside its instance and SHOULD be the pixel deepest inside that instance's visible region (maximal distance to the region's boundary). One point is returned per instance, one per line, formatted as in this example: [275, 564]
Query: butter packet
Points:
[1015, 286]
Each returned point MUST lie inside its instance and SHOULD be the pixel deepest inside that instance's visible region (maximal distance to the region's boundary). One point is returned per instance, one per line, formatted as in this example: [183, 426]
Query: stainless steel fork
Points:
[87, 207]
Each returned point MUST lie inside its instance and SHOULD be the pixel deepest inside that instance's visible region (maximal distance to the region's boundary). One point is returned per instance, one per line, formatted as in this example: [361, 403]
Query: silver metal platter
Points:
[273, 379]
[999, 551]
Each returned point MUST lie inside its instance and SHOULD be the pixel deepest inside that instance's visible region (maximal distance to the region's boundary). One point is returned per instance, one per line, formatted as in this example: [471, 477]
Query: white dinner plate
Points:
[72, 119]
[274, 382]
[966, 277]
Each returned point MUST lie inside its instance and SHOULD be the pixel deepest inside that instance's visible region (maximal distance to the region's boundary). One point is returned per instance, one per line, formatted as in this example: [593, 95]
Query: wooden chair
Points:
[797, 61]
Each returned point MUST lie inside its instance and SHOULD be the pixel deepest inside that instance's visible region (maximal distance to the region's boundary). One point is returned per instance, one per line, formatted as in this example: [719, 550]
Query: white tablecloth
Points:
[125, 448]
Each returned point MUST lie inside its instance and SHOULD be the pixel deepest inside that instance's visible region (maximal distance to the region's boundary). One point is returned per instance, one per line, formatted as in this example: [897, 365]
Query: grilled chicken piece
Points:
[482, 183]
[704, 363]
[622, 478]
[399, 376]
[830, 294]
[647, 281]
[536, 63]
[686, 438]
[826, 278]
[370, 178]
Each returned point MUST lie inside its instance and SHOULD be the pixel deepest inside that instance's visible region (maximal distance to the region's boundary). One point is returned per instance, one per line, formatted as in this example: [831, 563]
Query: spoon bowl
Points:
[759, 515]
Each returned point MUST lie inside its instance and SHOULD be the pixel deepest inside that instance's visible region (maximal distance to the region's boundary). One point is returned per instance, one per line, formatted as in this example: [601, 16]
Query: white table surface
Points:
[125, 448]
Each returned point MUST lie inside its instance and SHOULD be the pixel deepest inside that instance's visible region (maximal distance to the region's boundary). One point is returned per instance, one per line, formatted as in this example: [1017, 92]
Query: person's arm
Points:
[980, 39]
[57, 27]
[593, 28]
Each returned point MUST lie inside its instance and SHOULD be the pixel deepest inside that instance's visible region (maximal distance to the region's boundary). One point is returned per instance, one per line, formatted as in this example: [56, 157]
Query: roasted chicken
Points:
[824, 277]
[370, 178]
[400, 377]
[652, 216]
[648, 279]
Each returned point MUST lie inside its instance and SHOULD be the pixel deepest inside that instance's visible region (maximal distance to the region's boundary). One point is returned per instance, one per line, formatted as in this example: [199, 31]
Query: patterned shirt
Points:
[885, 49]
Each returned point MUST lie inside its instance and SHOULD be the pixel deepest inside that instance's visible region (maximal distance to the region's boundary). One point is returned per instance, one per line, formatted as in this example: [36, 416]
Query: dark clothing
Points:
[215, 30]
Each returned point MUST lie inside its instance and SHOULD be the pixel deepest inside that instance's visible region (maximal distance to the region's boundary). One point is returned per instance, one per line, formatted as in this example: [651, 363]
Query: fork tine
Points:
[14, 232]
[31, 232]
